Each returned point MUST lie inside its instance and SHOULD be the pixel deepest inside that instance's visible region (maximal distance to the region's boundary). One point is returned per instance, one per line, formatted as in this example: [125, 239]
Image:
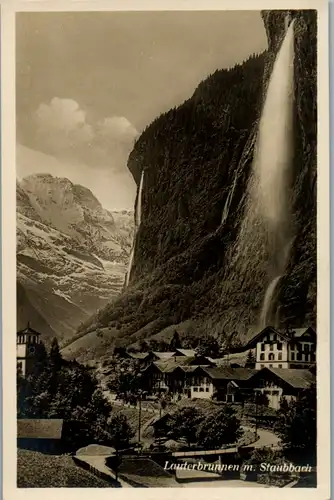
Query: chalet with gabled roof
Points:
[294, 349]
[278, 383]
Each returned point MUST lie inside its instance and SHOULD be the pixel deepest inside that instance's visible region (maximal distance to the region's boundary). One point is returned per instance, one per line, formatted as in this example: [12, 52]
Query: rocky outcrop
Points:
[197, 161]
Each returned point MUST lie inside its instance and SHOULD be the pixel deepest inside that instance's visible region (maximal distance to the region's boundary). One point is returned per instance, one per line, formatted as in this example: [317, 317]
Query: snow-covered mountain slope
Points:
[72, 254]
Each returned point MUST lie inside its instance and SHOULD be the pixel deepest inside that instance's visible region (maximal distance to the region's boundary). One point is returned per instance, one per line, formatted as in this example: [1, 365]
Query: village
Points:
[182, 406]
[274, 364]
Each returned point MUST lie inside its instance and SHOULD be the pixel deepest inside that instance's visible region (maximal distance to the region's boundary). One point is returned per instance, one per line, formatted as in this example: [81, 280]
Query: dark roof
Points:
[228, 373]
[39, 428]
[299, 332]
[159, 420]
[187, 352]
[139, 355]
[297, 378]
[267, 329]
[169, 365]
[164, 355]
[28, 330]
[288, 336]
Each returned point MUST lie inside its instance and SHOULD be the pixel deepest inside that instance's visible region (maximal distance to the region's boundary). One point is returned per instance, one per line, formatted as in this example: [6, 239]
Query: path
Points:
[266, 438]
[98, 463]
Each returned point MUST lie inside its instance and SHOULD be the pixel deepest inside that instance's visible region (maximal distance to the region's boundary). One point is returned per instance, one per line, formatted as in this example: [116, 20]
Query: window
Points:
[307, 356]
[262, 356]
[275, 337]
[271, 356]
[201, 389]
[299, 356]
[195, 389]
[292, 346]
[279, 346]
[271, 347]
[261, 366]
[313, 357]
[275, 393]
[292, 356]
[207, 389]
[306, 348]
[270, 366]
[280, 366]
[263, 347]
[280, 356]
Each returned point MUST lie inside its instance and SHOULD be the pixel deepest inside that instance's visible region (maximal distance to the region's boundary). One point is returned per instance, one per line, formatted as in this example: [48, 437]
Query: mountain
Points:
[197, 161]
[72, 254]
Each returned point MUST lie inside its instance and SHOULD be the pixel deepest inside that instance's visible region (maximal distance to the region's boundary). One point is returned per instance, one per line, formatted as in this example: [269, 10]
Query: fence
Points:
[90, 468]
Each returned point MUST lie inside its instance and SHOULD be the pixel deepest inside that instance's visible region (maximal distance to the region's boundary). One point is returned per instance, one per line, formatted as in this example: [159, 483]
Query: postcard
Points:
[165, 248]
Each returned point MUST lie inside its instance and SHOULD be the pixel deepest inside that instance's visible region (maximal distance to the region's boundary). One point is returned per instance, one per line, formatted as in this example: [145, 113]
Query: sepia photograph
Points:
[167, 265]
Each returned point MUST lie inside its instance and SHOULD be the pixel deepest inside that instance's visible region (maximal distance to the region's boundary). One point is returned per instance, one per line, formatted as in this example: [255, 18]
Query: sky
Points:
[88, 83]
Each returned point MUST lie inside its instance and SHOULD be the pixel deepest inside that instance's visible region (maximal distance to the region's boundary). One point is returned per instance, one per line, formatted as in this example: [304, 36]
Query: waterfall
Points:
[138, 210]
[229, 200]
[275, 151]
[274, 148]
[264, 239]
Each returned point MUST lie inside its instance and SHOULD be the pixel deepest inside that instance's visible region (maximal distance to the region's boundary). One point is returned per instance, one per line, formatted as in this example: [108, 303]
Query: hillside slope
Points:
[197, 161]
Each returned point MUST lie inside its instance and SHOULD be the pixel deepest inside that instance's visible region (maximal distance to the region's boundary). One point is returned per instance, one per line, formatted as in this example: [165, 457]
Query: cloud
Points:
[64, 131]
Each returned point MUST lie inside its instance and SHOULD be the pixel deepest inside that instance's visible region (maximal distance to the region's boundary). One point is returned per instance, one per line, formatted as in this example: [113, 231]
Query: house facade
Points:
[279, 383]
[43, 435]
[197, 381]
[295, 349]
[28, 346]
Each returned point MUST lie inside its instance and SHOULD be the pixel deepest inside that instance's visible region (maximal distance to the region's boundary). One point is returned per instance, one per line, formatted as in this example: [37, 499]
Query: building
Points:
[185, 352]
[28, 347]
[278, 383]
[171, 375]
[290, 349]
[196, 378]
[43, 435]
[157, 356]
[227, 383]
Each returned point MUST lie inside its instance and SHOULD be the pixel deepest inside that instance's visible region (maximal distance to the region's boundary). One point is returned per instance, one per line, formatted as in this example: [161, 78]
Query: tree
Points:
[218, 428]
[126, 380]
[55, 356]
[250, 361]
[175, 343]
[297, 421]
[208, 347]
[119, 432]
[261, 399]
[143, 346]
[184, 424]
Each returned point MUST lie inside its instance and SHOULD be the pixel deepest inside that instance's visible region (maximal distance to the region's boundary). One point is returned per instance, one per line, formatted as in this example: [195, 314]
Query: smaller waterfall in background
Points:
[229, 200]
[137, 225]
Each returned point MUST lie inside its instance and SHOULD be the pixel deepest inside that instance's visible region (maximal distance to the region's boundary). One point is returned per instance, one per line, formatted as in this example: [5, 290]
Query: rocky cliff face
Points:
[197, 161]
[71, 254]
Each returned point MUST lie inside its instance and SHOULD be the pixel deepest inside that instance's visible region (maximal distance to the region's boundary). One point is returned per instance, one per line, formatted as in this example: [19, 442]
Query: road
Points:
[266, 438]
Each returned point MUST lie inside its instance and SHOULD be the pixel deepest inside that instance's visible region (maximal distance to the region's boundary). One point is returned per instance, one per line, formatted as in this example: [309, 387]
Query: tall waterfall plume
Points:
[137, 225]
[265, 236]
